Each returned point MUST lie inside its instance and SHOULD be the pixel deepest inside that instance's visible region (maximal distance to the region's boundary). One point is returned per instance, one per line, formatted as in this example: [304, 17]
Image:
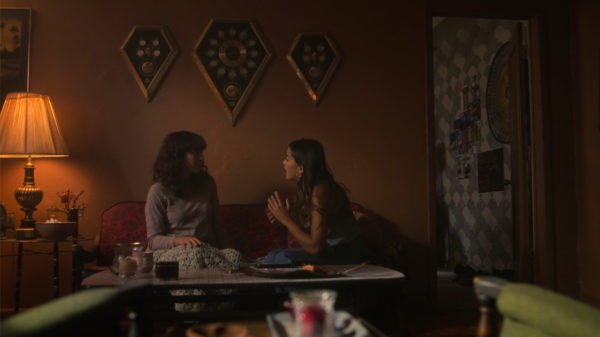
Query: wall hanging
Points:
[232, 54]
[14, 52]
[498, 94]
[314, 57]
[490, 171]
[465, 138]
[149, 52]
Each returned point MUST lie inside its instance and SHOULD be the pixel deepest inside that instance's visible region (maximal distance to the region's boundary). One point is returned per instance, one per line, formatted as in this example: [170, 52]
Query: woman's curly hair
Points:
[171, 160]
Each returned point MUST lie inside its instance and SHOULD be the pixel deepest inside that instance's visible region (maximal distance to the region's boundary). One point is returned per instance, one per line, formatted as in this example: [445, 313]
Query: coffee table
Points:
[247, 295]
[217, 278]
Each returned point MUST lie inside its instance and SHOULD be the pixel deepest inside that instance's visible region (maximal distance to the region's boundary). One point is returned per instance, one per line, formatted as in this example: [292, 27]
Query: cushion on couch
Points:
[247, 226]
[123, 222]
[382, 242]
[381, 239]
[359, 213]
[250, 231]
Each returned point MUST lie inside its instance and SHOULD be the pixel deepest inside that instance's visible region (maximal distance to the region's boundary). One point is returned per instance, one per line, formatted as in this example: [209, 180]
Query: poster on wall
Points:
[15, 27]
[466, 134]
[464, 164]
[465, 137]
[490, 171]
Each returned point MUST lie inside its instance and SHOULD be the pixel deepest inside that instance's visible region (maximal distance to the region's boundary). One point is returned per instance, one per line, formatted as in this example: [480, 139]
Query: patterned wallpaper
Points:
[474, 228]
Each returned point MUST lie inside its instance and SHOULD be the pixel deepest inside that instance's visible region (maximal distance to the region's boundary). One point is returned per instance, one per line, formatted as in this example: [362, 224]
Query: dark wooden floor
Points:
[455, 314]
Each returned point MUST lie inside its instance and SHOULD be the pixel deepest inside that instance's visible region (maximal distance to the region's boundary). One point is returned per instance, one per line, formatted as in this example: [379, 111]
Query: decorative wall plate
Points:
[314, 57]
[498, 94]
[232, 54]
[149, 52]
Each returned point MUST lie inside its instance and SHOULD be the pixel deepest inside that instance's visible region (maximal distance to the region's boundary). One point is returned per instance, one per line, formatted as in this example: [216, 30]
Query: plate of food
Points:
[279, 271]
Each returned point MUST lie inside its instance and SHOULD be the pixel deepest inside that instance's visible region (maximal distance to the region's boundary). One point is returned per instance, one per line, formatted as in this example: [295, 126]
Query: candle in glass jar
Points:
[127, 267]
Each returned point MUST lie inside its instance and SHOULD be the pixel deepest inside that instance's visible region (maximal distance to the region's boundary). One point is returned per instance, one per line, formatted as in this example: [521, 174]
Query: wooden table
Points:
[55, 260]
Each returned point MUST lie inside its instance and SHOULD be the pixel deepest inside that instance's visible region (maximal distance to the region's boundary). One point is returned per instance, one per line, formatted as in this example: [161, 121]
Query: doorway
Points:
[476, 229]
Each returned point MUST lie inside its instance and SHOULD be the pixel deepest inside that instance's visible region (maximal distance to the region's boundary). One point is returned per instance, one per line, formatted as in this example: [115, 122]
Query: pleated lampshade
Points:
[28, 127]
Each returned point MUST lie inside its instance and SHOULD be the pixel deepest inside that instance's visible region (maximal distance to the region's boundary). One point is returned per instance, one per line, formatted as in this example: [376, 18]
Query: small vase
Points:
[73, 216]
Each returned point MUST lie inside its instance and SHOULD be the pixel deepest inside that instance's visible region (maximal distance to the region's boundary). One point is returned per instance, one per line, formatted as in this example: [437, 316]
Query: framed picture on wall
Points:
[15, 28]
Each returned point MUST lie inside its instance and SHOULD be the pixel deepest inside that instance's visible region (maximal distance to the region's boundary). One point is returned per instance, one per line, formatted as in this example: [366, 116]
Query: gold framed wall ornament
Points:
[149, 52]
[232, 54]
[314, 57]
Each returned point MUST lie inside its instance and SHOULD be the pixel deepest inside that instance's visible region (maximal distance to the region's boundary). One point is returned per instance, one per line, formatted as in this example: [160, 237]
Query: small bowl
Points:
[55, 231]
[167, 270]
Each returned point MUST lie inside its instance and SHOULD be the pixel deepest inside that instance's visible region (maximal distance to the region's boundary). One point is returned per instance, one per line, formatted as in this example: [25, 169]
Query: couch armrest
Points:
[546, 312]
[487, 289]
[529, 310]
[93, 312]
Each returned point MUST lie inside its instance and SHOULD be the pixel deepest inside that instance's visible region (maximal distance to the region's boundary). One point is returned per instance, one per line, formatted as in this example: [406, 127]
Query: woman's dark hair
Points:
[310, 155]
[171, 160]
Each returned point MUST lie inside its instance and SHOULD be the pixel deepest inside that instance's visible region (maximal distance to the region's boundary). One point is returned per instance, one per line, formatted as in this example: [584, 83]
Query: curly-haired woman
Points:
[183, 222]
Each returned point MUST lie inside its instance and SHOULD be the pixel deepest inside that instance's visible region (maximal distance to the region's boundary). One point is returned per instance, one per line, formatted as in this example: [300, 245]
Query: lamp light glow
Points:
[29, 129]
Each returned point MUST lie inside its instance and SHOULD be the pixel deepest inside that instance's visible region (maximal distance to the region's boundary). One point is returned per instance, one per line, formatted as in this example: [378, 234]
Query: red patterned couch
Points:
[249, 231]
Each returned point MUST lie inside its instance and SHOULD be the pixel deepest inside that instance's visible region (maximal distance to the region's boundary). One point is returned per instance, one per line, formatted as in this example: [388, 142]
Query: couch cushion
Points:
[361, 214]
[381, 240]
[250, 231]
[247, 226]
[122, 223]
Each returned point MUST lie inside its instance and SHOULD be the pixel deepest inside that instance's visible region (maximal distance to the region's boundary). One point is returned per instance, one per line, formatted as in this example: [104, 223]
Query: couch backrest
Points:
[247, 226]
[250, 231]
[123, 222]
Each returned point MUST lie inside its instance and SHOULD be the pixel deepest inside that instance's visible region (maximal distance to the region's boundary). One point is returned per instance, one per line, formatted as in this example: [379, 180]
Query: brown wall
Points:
[371, 119]
[587, 144]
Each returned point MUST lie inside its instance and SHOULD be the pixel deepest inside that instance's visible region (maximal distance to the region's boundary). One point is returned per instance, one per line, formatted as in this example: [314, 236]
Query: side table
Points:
[55, 260]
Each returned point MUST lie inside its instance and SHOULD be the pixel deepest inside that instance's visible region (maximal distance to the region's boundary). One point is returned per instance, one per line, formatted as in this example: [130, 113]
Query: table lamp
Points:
[28, 129]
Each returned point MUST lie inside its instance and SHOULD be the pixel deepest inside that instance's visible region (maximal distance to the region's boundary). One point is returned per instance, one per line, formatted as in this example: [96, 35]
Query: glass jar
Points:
[312, 312]
[128, 258]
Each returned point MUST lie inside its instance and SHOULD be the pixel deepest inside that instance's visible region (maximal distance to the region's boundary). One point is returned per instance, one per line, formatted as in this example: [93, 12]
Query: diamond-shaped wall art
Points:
[232, 54]
[149, 52]
[314, 57]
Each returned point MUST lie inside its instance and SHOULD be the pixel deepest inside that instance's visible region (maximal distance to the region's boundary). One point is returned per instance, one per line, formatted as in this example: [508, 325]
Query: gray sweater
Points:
[168, 216]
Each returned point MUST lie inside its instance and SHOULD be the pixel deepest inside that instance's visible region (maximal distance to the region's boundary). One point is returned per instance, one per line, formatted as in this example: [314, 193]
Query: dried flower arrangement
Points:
[70, 201]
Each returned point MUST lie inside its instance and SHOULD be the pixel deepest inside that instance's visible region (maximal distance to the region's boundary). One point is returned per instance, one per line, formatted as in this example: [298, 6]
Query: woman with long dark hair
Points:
[183, 222]
[320, 215]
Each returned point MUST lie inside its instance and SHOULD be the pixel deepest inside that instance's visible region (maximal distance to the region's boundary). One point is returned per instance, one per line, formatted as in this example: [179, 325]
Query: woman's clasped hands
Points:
[276, 210]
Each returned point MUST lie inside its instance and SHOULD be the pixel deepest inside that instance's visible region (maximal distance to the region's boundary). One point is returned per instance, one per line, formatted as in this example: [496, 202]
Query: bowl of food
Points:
[55, 231]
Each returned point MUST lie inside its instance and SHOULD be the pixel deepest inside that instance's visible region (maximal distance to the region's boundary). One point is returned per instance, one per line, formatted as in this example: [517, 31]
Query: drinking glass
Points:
[313, 312]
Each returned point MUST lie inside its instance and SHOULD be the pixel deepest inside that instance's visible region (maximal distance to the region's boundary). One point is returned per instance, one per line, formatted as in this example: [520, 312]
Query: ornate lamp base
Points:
[28, 196]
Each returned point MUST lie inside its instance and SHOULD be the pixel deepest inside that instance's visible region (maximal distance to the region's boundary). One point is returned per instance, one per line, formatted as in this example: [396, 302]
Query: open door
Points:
[520, 157]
